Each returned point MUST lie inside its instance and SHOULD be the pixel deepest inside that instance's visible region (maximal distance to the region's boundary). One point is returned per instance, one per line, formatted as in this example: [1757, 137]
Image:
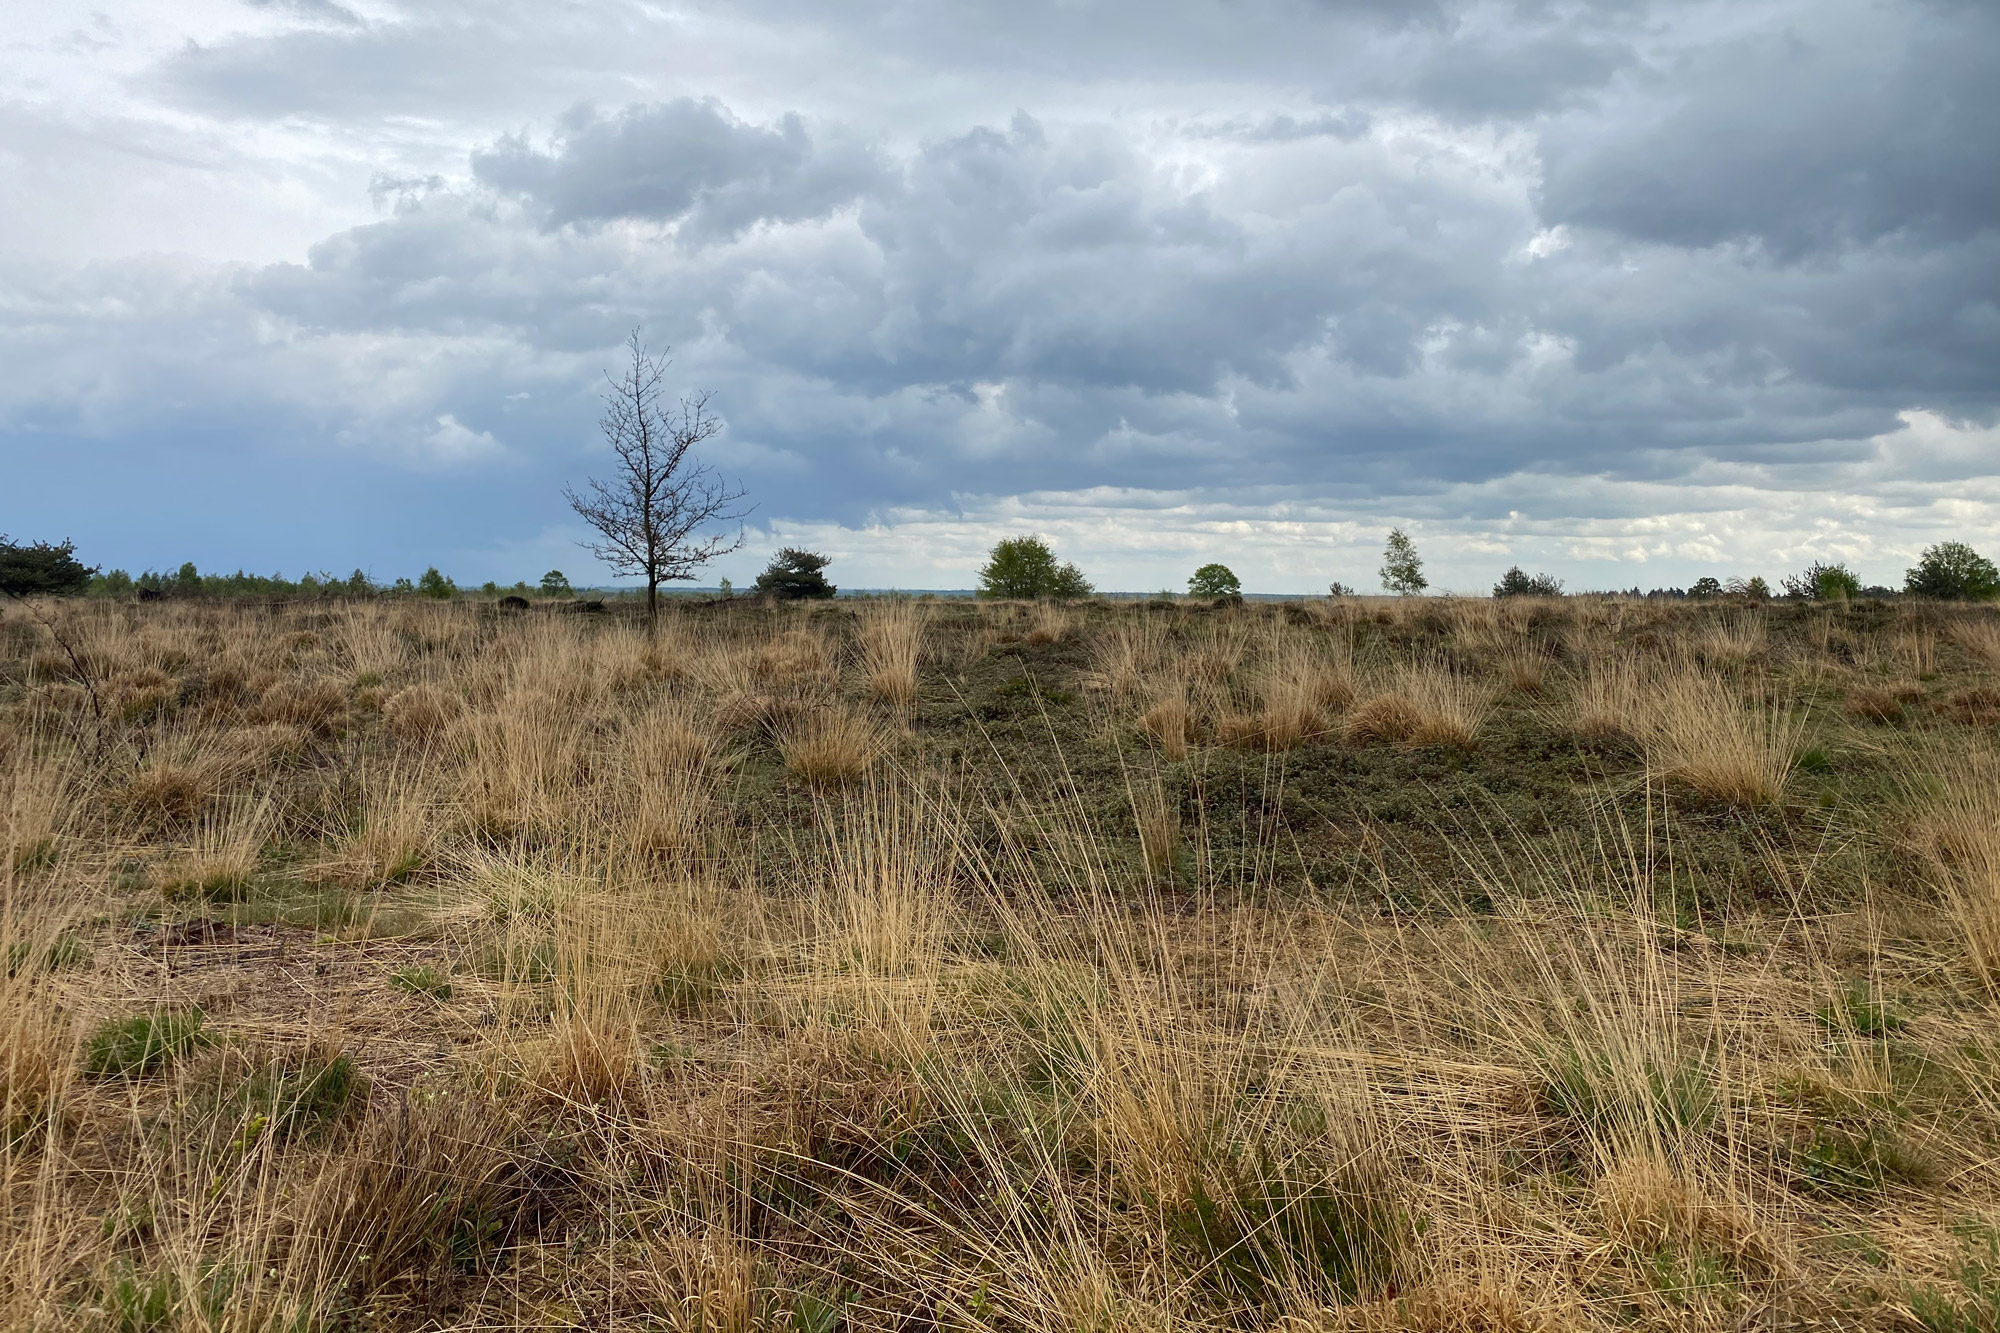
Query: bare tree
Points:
[650, 517]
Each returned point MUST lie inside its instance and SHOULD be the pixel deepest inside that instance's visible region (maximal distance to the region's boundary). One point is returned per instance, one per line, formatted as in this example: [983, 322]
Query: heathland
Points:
[1435, 964]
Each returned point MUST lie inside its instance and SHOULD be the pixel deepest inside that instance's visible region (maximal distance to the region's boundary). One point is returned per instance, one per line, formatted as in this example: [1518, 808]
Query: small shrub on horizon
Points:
[1820, 581]
[796, 575]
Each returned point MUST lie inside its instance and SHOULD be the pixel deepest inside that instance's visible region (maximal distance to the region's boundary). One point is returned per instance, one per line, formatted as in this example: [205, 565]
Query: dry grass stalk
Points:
[1608, 699]
[1158, 819]
[1430, 704]
[419, 713]
[1957, 796]
[1981, 639]
[1735, 641]
[1526, 670]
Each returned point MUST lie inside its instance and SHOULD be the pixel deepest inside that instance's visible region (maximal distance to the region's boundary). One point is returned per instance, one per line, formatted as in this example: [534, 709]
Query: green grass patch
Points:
[142, 1044]
[422, 979]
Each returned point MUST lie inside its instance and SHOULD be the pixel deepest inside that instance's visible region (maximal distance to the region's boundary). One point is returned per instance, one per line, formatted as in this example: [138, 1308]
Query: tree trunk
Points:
[652, 603]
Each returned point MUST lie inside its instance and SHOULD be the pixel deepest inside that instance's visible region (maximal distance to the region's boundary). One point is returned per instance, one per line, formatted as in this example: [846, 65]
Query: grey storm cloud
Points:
[680, 160]
[1880, 122]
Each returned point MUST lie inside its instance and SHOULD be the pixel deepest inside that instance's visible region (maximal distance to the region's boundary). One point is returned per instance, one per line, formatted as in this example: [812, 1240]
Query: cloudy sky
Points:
[1629, 291]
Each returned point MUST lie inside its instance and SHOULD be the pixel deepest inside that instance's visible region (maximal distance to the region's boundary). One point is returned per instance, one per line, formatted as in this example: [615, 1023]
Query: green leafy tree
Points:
[1339, 589]
[796, 575]
[1823, 582]
[42, 569]
[1953, 571]
[187, 578]
[1402, 567]
[1706, 586]
[1518, 583]
[435, 585]
[1025, 567]
[555, 584]
[1213, 580]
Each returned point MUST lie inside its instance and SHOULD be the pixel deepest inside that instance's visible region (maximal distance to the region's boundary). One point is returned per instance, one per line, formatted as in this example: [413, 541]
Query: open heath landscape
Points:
[1338, 963]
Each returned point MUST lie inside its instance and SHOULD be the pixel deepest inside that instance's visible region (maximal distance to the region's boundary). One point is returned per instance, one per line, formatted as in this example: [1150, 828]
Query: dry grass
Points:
[659, 998]
[1607, 700]
[1169, 721]
[829, 747]
[1698, 731]
[1048, 623]
[892, 644]
[1428, 703]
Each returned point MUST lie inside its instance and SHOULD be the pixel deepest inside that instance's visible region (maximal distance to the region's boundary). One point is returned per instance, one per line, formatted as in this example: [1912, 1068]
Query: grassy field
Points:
[1439, 965]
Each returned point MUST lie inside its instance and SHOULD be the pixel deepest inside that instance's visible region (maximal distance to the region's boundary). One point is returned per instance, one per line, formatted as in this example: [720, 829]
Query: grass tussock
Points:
[1699, 732]
[892, 642]
[831, 747]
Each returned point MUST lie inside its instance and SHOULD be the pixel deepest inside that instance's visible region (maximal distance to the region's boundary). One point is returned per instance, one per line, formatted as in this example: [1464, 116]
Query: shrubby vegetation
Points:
[41, 569]
[1025, 568]
[1516, 583]
[795, 575]
[1953, 571]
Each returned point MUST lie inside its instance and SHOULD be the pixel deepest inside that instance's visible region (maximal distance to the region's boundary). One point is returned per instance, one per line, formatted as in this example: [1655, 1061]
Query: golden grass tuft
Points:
[1647, 1207]
[1430, 704]
[1169, 721]
[419, 713]
[1048, 623]
[1980, 639]
[829, 746]
[1956, 799]
[1697, 731]
[164, 793]
[317, 707]
[1606, 701]
[892, 643]
[1872, 703]
[1385, 719]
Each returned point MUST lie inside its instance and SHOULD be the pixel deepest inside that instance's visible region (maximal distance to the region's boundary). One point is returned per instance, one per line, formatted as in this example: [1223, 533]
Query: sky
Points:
[1629, 292]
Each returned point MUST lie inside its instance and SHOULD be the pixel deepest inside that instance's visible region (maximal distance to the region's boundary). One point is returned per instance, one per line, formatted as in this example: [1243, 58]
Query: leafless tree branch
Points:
[650, 518]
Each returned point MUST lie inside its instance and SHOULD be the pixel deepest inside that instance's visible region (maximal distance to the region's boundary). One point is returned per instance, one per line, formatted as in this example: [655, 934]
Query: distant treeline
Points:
[188, 581]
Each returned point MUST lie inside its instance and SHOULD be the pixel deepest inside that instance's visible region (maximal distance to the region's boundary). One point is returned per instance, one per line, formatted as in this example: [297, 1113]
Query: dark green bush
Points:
[1518, 583]
[42, 569]
[795, 575]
